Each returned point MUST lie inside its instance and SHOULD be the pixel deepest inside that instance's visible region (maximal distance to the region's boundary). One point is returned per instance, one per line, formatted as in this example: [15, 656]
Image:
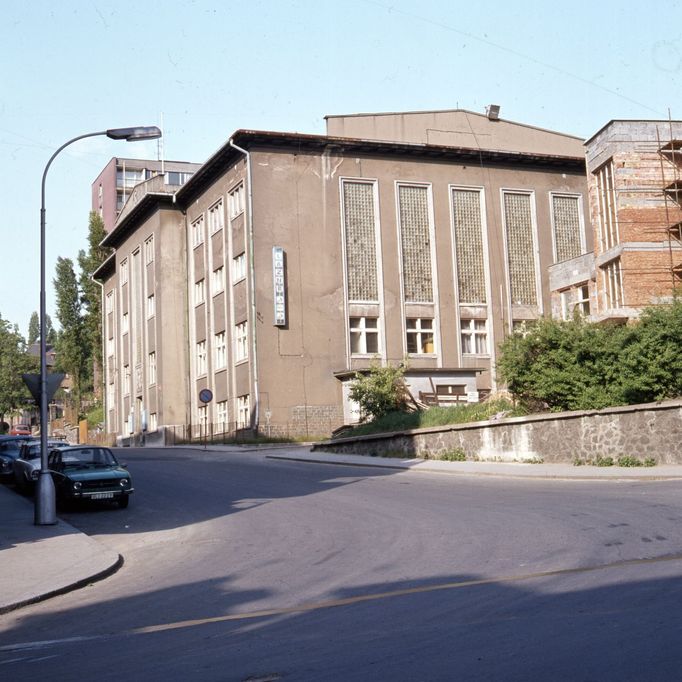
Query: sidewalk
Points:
[502, 469]
[37, 562]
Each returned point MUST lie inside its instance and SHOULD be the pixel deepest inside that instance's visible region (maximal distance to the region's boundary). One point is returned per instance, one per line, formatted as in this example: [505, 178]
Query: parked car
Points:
[89, 472]
[9, 451]
[26, 466]
[20, 430]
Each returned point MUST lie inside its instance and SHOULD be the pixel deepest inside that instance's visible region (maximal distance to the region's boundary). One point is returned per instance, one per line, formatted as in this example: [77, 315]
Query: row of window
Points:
[241, 350]
[216, 215]
[218, 279]
[416, 228]
[221, 423]
[419, 336]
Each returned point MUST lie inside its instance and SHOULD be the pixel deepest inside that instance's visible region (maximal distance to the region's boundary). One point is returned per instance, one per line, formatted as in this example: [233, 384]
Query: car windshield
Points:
[95, 457]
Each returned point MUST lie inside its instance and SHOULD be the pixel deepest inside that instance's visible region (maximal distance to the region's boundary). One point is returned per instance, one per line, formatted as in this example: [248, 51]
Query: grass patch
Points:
[436, 416]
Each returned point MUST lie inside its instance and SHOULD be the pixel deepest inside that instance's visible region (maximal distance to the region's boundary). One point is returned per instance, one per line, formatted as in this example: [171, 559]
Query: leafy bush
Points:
[577, 365]
[436, 416]
[381, 390]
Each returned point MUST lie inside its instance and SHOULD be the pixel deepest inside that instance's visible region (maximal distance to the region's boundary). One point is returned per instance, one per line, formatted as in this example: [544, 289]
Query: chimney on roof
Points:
[492, 111]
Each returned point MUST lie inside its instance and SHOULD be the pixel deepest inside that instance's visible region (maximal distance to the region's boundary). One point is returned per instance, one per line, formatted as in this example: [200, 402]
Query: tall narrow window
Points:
[201, 358]
[471, 279]
[198, 232]
[613, 284]
[221, 416]
[151, 368]
[415, 242]
[608, 215]
[420, 335]
[220, 349]
[364, 335]
[151, 305]
[125, 323]
[360, 231]
[124, 271]
[567, 227]
[149, 250]
[216, 217]
[518, 215]
[236, 201]
[238, 268]
[241, 342]
[243, 412]
[199, 292]
[217, 280]
[126, 379]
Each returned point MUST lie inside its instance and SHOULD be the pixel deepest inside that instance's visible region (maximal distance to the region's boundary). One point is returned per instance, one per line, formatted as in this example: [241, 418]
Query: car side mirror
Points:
[123, 465]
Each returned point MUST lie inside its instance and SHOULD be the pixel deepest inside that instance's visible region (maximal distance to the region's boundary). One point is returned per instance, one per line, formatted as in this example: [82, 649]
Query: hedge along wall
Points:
[650, 430]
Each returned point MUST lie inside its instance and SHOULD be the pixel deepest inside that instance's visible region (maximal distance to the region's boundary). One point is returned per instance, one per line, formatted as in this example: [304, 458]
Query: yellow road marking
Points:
[347, 601]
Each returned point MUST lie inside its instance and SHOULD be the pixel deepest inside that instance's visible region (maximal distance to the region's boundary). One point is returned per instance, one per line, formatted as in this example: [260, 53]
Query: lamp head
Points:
[133, 134]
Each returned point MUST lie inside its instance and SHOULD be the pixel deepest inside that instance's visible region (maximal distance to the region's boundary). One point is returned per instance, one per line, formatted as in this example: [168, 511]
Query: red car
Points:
[20, 430]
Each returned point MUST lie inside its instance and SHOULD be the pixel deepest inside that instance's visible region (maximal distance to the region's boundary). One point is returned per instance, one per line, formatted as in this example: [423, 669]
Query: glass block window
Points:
[360, 229]
[567, 228]
[474, 337]
[415, 242]
[520, 248]
[466, 211]
[420, 335]
[364, 335]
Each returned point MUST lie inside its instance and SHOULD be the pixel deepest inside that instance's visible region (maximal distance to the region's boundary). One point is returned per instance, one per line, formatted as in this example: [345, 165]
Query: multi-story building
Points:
[288, 262]
[635, 197]
[115, 183]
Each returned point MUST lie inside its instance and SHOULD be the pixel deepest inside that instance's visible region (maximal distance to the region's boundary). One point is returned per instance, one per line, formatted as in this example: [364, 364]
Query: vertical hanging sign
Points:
[279, 290]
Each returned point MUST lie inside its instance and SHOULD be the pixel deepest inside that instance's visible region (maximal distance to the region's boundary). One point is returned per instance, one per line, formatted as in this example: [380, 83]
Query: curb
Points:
[425, 468]
[101, 575]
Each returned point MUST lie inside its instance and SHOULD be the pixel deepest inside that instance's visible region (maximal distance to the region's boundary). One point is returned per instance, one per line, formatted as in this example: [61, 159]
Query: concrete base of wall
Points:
[653, 431]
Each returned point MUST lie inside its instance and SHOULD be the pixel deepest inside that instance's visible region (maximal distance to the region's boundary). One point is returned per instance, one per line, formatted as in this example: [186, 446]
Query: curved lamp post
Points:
[45, 508]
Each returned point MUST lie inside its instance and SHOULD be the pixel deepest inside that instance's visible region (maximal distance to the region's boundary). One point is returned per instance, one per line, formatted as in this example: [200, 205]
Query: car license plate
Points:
[101, 496]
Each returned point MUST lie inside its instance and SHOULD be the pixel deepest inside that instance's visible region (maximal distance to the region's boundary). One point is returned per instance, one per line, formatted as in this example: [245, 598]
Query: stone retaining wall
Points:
[651, 430]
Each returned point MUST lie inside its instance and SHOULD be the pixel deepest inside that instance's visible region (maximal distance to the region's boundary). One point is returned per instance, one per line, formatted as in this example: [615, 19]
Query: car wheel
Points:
[123, 501]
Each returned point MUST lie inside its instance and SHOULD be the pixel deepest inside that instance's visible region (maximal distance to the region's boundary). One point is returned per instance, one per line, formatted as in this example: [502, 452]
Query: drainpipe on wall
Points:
[252, 282]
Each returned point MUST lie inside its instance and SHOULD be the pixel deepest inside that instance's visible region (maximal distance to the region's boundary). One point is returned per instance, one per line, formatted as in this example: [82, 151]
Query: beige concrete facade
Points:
[391, 251]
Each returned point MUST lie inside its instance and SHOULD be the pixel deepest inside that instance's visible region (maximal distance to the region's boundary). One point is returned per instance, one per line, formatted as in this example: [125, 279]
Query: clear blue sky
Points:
[208, 68]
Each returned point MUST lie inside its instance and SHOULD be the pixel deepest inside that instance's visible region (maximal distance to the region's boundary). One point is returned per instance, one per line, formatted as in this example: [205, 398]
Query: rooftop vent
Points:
[492, 111]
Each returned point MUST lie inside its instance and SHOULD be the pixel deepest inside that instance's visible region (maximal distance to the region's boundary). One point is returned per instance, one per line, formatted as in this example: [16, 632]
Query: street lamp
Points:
[45, 508]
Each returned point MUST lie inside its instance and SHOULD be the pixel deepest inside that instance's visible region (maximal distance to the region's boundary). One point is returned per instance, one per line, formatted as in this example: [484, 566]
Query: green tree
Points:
[562, 365]
[91, 296]
[73, 350]
[381, 390]
[33, 328]
[14, 361]
[650, 366]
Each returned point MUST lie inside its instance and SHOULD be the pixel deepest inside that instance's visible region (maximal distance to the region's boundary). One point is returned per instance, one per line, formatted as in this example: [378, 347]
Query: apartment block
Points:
[288, 262]
[115, 183]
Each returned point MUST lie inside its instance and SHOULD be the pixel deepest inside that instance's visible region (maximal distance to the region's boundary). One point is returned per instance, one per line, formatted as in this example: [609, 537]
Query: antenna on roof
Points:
[160, 147]
[492, 111]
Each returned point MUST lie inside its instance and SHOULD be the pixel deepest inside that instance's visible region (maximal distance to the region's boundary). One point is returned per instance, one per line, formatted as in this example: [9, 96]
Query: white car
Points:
[27, 465]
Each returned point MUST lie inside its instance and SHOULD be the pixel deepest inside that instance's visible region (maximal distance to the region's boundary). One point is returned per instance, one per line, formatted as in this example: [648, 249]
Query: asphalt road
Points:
[239, 567]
